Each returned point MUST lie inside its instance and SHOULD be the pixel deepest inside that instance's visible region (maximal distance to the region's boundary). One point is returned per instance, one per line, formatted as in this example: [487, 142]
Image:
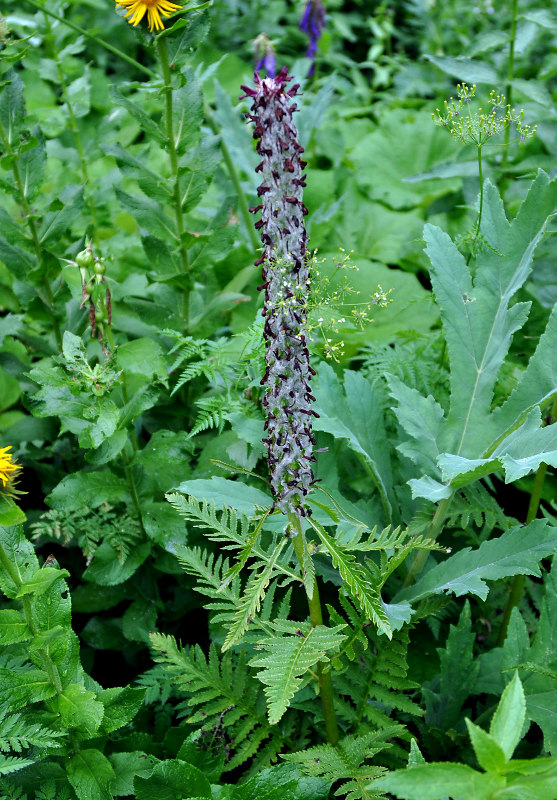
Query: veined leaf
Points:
[289, 658]
[517, 552]
[355, 579]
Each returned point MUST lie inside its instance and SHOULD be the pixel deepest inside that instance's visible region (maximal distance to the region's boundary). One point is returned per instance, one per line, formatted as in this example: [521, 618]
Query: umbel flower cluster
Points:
[287, 399]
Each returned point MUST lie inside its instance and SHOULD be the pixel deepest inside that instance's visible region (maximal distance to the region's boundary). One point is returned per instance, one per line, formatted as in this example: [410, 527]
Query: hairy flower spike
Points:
[288, 398]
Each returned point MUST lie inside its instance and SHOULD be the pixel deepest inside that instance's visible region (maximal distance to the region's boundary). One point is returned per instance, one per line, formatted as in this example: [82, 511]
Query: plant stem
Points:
[49, 666]
[32, 230]
[517, 587]
[162, 49]
[235, 178]
[510, 76]
[97, 39]
[73, 123]
[432, 533]
[478, 225]
[133, 489]
[316, 616]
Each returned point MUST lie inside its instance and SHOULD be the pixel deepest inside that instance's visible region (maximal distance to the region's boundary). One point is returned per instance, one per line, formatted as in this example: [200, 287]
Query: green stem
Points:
[97, 39]
[133, 489]
[162, 49]
[235, 178]
[32, 230]
[433, 532]
[517, 587]
[316, 616]
[49, 666]
[510, 77]
[478, 225]
[73, 122]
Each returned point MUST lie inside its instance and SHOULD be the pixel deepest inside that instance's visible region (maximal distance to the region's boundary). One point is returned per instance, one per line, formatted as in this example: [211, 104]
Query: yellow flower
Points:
[136, 11]
[8, 468]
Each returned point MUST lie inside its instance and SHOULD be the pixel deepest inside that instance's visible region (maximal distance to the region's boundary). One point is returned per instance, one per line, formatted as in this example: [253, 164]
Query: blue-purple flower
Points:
[264, 53]
[312, 23]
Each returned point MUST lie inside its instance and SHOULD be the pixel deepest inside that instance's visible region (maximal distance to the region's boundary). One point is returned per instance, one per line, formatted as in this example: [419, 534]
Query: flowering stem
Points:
[517, 587]
[49, 302]
[326, 692]
[478, 224]
[97, 39]
[162, 49]
[510, 76]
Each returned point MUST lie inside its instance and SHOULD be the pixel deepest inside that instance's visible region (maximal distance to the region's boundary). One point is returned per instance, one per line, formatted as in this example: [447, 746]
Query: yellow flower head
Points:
[136, 11]
[8, 469]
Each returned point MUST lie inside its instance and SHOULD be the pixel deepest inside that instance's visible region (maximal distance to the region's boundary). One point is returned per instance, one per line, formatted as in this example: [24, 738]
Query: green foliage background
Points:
[165, 650]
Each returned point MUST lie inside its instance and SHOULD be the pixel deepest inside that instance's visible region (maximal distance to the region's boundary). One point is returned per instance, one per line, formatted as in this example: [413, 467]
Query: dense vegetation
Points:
[285, 537]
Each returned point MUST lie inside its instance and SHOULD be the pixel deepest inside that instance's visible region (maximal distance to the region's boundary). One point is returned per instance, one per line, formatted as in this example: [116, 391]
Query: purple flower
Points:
[288, 398]
[264, 53]
[312, 23]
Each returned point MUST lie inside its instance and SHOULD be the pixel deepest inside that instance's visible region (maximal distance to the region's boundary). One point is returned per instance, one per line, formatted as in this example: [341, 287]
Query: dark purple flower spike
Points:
[312, 23]
[288, 398]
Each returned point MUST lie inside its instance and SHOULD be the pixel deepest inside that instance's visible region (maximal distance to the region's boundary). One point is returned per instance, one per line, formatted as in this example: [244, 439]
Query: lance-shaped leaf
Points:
[289, 657]
[517, 552]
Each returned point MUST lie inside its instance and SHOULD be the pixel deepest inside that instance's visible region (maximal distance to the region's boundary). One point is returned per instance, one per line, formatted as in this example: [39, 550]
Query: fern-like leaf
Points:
[289, 657]
[9, 764]
[355, 579]
[220, 693]
[18, 733]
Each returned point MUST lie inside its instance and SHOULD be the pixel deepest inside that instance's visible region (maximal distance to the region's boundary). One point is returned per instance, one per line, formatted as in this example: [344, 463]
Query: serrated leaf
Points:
[250, 602]
[354, 413]
[90, 773]
[172, 780]
[288, 659]
[517, 552]
[13, 627]
[356, 580]
[148, 214]
[489, 754]
[87, 488]
[42, 580]
[79, 710]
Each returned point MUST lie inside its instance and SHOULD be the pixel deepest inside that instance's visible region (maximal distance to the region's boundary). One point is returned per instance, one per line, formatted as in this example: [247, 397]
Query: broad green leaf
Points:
[152, 130]
[14, 233]
[90, 489]
[488, 752]
[148, 214]
[12, 108]
[354, 413]
[17, 689]
[506, 724]
[10, 515]
[79, 710]
[187, 113]
[542, 709]
[289, 656]
[239, 496]
[121, 704]
[79, 94]
[517, 552]
[57, 221]
[142, 357]
[107, 568]
[357, 580]
[126, 767]
[13, 627]
[466, 69]
[282, 782]
[18, 261]
[32, 163]
[21, 555]
[91, 774]
[151, 184]
[42, 580]
[477, 317]
[422, 418]
[439, 781]
[172, 780]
